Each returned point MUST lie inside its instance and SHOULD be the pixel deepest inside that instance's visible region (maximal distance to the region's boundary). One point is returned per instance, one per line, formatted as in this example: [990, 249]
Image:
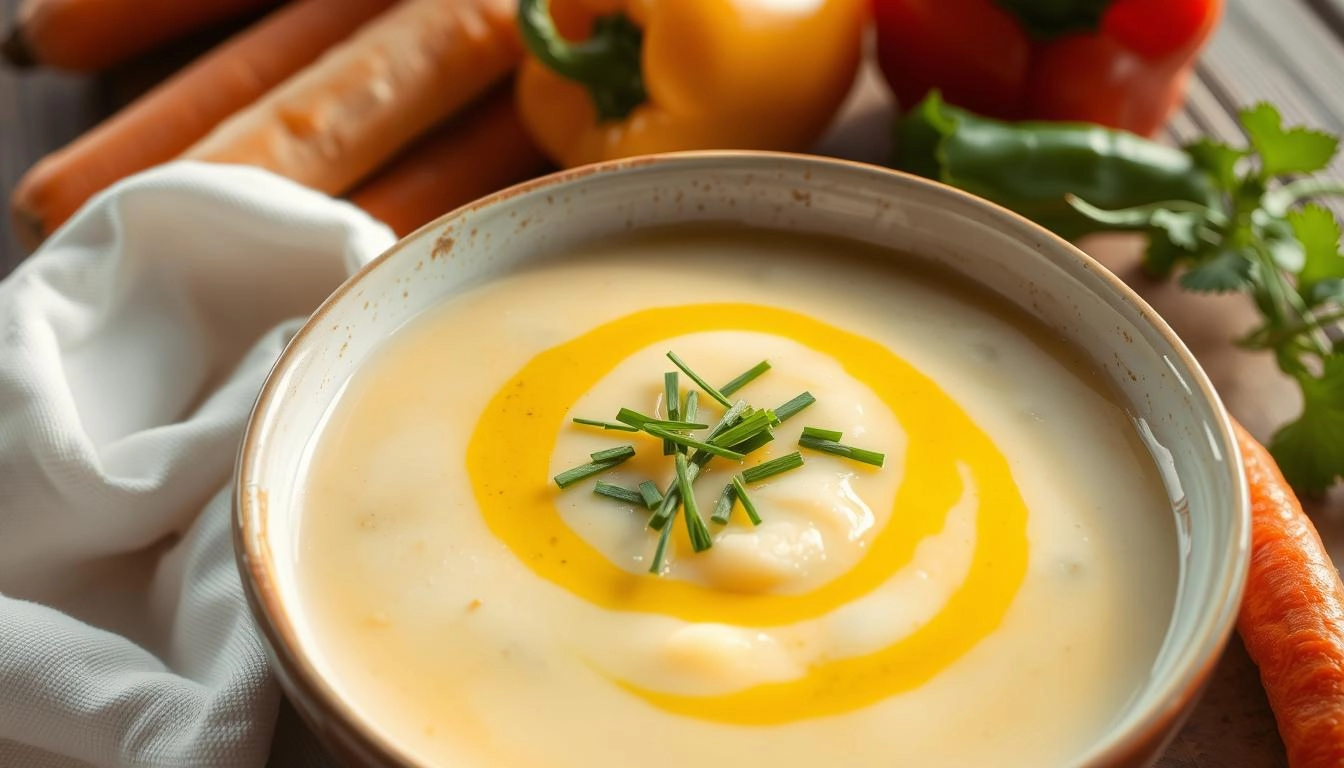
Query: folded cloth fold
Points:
[132, 345]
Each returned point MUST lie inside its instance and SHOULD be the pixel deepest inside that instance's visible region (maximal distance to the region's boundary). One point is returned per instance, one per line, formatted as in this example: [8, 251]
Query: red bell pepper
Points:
[1118, 63]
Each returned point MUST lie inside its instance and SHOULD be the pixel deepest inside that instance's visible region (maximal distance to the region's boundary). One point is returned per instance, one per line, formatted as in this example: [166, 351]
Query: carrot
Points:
[161, 124]
[1292, 617]
[91, 35]
[472, 156]
[335, 122]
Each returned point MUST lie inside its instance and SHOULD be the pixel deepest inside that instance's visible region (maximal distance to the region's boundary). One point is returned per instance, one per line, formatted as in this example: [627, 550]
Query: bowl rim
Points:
[318, 703]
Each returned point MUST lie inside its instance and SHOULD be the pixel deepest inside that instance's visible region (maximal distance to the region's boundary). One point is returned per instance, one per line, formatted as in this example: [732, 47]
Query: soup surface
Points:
[992, 595]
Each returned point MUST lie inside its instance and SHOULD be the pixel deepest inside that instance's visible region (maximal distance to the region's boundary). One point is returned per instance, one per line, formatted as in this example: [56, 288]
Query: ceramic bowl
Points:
[1154, 376]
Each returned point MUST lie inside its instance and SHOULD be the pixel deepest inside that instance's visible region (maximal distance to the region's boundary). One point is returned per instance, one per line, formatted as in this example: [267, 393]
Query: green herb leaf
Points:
[776, 466]
[618, 492]
[699, 382]
[740, 490]
[1309, 450]
[671, 401]
[794, 406]
[660, 552]
[606, 425]
[748, 427]
[1228, 271]
[723, 510]
[619, 453]
[1295, 150]
[649, 494]
[1219, 160]
[1318, 231]
[847, 451]
[691, 411]
[691, 442]
[745, 378]
[583, 471]
[823, 434]
[695, 525]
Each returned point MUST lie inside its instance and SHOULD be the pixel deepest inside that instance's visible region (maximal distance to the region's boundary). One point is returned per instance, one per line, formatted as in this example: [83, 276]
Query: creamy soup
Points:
[993, 594]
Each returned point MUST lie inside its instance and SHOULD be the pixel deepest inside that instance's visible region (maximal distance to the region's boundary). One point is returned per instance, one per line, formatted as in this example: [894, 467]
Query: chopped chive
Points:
[748, 427]
[751, 444]
[606, 425]
[741, 490]
[823, 434]
[691, 442]
[649, 494]
[724, 508]
[678, 426]
[619, 453]
[745, 378]
[789, 409]
[704, 385]
[695, 525]
[572, 476]
[847, 451]
[617, 492]
[730, 418]
[773, 467]
[691, 410]
[671, 401]
[637, 420]
[660, 552]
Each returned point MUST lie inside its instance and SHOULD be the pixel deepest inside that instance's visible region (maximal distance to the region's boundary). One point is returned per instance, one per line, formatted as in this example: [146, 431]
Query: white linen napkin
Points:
[131, 348]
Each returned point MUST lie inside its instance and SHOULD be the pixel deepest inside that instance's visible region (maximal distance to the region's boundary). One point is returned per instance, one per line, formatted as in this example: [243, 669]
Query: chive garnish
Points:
[691, 411]
[704, 385]
[847, 451]
[745, 378]
[791, 408]
[724, 508]
[617, 492]
[748, 427]
[741, 431]
[691, 442]
[572, 476]
[660, 551]
[695, 525]
[649, 494]
[639, 420]
[671, 401]
[773, 467]
[606, 425]
[619, 453]
[823, 434]
[740, 490]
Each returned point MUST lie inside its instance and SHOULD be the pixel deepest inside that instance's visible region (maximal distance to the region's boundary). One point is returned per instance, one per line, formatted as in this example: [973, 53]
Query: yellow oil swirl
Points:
[508, 462]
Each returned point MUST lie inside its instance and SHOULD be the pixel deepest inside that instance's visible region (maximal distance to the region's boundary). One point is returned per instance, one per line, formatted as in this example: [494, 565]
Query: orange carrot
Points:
[1292, 617]
[472, 156]
[168, 119]
[90, 35]
[337, 121]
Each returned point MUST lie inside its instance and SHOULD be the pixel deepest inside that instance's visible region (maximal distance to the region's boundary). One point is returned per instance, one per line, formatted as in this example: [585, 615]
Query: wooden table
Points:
[1290, 52]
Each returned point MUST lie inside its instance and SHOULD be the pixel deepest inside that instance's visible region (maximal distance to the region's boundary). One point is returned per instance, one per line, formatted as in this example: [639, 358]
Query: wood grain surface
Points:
[1285, 51]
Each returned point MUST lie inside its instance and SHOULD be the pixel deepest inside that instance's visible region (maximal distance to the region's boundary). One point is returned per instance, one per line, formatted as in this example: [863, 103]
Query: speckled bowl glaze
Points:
[1169, 398]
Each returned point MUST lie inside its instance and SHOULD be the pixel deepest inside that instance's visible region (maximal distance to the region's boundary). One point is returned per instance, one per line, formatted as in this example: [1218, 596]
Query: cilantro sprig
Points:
[1261, 234]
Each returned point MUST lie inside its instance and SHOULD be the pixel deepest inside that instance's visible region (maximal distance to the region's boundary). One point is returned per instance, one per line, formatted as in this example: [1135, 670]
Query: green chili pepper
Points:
[1029, 167]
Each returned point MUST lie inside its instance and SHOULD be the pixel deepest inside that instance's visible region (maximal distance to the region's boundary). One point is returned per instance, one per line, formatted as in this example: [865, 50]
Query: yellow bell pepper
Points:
[616, 78]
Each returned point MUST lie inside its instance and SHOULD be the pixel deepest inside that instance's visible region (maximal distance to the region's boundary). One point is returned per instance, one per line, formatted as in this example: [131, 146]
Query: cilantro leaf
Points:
[1228, 271]
[1295, 150]
[1279, 240]
[1162, 255]
[1318, 232]
[1309, 450]
[1219, 160]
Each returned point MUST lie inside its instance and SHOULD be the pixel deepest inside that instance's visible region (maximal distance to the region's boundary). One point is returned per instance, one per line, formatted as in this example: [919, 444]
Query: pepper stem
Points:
[607, 63]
